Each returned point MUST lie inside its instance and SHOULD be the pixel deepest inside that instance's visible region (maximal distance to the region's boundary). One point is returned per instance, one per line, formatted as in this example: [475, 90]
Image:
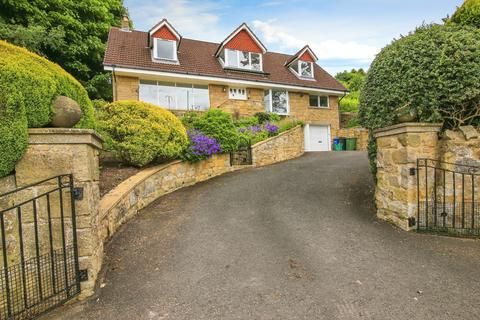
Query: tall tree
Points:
[71, 33]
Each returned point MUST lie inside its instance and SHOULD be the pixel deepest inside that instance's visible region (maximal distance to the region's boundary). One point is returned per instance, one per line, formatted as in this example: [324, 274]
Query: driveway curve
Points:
[296, 240]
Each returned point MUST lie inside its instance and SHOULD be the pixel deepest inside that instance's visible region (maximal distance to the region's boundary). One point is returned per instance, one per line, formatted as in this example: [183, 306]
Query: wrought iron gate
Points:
[447, 198]
[39, 248]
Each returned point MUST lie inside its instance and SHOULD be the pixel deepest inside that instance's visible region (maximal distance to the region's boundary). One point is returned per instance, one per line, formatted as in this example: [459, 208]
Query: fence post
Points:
[55, 151]
[398, 148]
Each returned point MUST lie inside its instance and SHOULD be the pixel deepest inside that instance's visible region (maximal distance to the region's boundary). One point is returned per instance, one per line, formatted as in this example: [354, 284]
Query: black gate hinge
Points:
[78, 193]
[83, 275]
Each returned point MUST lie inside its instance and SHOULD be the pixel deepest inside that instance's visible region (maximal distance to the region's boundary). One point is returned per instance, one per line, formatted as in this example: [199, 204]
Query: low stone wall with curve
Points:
[137, 192]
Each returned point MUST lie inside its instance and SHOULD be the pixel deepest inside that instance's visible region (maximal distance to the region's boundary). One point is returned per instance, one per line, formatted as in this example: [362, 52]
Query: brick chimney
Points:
[125, 23]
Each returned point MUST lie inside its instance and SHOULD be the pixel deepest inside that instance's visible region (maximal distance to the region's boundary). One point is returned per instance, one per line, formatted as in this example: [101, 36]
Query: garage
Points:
[317, 138]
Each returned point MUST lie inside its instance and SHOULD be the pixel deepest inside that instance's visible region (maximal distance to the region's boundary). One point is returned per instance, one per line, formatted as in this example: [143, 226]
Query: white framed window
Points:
[277, 101]
[237, 93]
[317, 101]
[243, 60]
[303, 69]
[175, 96]
[165, 49]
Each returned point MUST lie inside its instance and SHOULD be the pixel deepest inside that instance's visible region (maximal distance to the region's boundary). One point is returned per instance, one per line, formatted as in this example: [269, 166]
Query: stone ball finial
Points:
[66, 112]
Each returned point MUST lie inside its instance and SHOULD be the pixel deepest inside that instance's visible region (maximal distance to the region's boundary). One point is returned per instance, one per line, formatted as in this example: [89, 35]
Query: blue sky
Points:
[344, 34]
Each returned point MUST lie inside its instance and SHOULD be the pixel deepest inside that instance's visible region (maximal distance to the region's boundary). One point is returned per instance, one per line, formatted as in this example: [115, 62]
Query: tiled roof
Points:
[130, 50]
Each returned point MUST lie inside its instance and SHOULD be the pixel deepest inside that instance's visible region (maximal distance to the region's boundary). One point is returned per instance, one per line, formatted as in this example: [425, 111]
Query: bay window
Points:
[276, 101]
[175, 96]
[243, 59]
[164, 49]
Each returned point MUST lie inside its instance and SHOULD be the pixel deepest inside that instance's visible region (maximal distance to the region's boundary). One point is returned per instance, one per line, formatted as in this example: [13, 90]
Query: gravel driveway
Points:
[296, 240]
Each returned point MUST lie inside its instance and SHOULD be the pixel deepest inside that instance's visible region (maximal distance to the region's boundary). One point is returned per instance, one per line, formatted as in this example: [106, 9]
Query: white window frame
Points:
[234, 93]
[299, 73]
[270, 106]
[162, 58]
[238, 66]
[176, 107]
[318, 101]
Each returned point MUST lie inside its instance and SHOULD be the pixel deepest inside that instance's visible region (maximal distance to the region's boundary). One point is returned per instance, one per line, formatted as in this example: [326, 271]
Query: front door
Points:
[317, 138]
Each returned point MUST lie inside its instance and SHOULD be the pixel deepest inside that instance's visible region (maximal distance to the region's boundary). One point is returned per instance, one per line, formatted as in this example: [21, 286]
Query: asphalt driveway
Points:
[296, 240]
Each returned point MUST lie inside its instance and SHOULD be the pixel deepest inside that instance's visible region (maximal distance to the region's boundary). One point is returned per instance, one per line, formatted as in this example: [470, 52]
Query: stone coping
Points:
[272, 138]
[408, 127]
[64, 136]
[114, 196]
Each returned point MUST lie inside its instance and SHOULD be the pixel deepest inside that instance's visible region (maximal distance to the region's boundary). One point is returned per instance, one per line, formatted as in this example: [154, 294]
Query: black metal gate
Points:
[243, 154]
[39, 248]
[447, 198]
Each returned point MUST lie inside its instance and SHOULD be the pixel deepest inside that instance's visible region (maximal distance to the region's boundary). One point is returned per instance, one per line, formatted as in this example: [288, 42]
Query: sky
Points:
[344, 34]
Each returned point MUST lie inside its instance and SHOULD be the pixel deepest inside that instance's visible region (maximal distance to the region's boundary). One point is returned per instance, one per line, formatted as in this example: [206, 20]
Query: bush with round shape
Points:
[218, 124]
[468, 14]
[13, 131]
[140, 133]
[39, 81]
[433, 72]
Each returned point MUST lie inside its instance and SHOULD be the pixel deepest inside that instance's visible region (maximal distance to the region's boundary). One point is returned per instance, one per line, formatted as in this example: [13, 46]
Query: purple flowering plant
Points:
[201, 146]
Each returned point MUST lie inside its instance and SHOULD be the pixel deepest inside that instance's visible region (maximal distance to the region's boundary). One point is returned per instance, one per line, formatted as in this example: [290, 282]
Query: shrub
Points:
[266, 117]
[140, 133]
[218, 124]
[434, 72]
[246, 122]
[468, 14]
[13, 131]
[189, 118]
[39, 81]
[288, 124]
[201, 147]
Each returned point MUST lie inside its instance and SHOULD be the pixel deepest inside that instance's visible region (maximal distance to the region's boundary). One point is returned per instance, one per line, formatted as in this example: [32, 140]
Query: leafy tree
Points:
[71, 33]
[468, 14]
[353, 80]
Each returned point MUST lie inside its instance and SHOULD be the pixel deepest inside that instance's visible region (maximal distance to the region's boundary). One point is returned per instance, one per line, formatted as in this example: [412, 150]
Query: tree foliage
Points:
[468, 14]
[352, 80]
[433, 72]
[68, 32]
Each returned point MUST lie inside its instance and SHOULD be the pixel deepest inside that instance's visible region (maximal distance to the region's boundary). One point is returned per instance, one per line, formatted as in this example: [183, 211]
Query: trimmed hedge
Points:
[39, 82]
[468, 14]
[140, 133]
[28, 86]
[434, 73]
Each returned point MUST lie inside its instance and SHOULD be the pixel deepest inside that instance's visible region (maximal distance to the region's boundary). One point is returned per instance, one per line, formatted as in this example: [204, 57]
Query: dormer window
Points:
[301, 63]
[243, 60]
[164, 49]
[306, 69]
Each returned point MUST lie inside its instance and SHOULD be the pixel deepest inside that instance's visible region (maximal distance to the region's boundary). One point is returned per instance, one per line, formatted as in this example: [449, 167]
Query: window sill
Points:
[319, 108]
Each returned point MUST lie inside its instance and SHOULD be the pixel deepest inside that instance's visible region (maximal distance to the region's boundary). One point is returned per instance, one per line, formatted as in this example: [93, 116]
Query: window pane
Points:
[324, 101]
[244, 60]
[201, 100]
[279, 101]
[166, 95]
[148, 91]
[266, 100]
[255, 61]
[294, 66]
[313, 101]
[165, 49]
[306, 68]
[184, 96]
[232, 58]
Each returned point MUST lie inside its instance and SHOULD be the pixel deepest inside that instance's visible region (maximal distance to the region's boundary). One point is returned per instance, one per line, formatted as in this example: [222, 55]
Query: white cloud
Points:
[197, 19]
[325, 49]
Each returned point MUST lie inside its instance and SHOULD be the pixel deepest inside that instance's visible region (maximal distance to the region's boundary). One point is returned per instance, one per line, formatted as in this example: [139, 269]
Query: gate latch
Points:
[78, 193]
[83, 275]
[413, 171]
[412, 222]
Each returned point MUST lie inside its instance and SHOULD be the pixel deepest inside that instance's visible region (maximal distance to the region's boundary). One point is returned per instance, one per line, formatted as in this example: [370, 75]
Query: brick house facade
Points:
[238, 75]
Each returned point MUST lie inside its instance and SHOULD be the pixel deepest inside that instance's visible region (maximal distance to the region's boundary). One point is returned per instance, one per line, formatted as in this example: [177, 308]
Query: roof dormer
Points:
[301, 63]
[241, 50]
[164, 42]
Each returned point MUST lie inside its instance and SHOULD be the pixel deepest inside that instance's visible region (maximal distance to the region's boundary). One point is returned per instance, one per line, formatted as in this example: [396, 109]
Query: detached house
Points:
[238, 75]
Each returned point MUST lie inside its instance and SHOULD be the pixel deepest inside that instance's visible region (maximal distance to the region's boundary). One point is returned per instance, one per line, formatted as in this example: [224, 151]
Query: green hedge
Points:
[28, 86]
[140, 133]
[39, 82]
[218, 124]
[468, 14]
[434, 73]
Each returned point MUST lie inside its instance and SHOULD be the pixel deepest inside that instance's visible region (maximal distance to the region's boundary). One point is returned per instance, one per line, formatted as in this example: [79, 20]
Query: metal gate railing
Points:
[447, 198]
[39, 263]
[243, 154]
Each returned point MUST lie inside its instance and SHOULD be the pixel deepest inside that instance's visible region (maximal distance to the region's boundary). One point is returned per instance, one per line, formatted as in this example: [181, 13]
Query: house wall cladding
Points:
[399, 147]
[243, 108]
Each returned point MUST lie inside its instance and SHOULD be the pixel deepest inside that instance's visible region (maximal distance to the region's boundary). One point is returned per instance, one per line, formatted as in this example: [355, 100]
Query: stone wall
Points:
[287, 145]
[345, 118]
[360, 133]
[241, 108]
[125, 88]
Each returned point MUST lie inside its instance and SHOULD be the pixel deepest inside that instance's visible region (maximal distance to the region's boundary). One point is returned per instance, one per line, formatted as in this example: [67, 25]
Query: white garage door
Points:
[317, 138]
